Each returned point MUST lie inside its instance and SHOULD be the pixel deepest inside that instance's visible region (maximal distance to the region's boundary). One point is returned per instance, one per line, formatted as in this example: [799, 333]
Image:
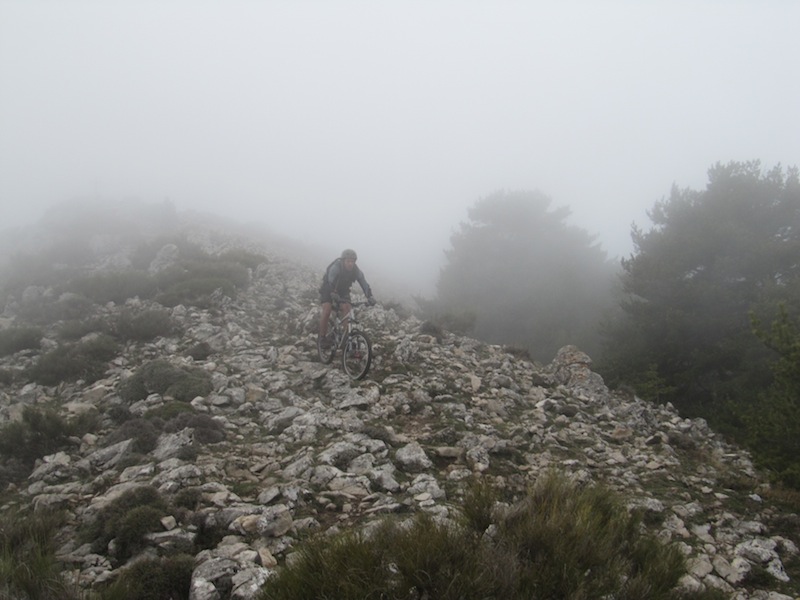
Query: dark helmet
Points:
[349, 254]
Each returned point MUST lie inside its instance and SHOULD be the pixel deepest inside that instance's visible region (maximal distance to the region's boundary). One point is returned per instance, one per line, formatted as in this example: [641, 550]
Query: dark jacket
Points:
[339, 280]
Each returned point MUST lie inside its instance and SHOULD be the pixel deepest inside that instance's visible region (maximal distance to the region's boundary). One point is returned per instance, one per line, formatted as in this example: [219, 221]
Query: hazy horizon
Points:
[378, 125]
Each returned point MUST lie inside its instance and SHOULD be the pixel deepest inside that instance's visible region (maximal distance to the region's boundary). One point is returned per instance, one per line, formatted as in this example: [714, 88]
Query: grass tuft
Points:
[559, 541]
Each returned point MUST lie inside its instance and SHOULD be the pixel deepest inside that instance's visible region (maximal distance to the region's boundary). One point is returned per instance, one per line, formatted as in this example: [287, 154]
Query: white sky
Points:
[376, 124]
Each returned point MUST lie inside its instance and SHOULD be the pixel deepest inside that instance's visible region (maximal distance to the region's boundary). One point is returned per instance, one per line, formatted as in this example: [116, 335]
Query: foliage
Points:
[85, 360]
[528, 278]
[207, 430]
[478, 510]
[773, 422]
[42, 431]
[6, 377]
[199, 351]
[143, 432]
[47, 308]
[28, 566]
[114, 286]
[143, 326]
[441, 316]
[75, 329]
[170, 410]
[126, 519]
[560, 541]
[153, 579]
[160, 377]
[712, 258]
[248, 259]
[15, 339]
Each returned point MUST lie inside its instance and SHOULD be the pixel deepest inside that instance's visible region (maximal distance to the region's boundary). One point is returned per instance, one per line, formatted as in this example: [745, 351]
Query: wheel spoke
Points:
[356, 355]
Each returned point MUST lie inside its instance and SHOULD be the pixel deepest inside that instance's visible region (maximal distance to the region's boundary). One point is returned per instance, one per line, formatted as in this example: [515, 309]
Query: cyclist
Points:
[339, 277]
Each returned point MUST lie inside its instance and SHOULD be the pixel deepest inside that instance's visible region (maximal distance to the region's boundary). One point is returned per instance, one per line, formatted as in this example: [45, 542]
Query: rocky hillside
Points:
[289, 446]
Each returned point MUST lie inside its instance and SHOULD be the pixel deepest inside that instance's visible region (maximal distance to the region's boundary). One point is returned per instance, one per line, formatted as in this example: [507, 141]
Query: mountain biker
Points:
[339, 277]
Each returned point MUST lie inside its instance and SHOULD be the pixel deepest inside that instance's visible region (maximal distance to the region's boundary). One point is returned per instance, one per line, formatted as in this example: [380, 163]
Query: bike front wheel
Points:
[326, 348]
[356, 355]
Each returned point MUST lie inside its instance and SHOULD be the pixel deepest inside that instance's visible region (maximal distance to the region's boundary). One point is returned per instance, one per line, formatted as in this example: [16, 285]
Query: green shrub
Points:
[143, 432]
[6, 377]
[248, 259]
[76, 329]
[188, 498]
[145, 253]
[153, 579]
[116, 286]
[133, 525]
[346, 566]
[194, 292]
[127, 519]
[193, 282]
[144, 326]
[19, 338]
[433, 329]
[39, 433]
[160, 377]
[47, 310]
[560, 541]
[170, 410]
[477, 511]
[564, 532]
[200, 351]
[24, 271]
[85, 360]
[207, 430]
[28, 566]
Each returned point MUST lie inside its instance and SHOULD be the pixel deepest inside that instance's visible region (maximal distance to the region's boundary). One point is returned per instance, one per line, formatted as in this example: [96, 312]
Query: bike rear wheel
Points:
[356, 355]
[326, 352]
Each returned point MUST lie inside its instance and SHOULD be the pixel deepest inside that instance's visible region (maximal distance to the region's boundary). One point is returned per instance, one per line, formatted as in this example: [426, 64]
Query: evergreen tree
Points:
[525, 277]
[712, 257]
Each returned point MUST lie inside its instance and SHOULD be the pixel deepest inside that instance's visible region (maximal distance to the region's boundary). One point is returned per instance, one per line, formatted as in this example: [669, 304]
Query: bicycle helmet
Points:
[349, 254]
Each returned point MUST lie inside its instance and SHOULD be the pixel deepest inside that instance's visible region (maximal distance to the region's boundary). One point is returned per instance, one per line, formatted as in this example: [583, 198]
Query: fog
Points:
[376, 125]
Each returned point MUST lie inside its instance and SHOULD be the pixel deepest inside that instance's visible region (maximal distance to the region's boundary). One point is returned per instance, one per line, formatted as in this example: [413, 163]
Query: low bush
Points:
[194, 281]
[560, 541]
[48, 309]
[194, 292]
[200, 351]
[439, 315]
[76, 329]
[248, 259]
[39, 433]
[153, 579]
[207, 430]
[116, 286]
[133, 525]
[160, 377]
[28, 566]
[19, 338]
[170, 410]
[85, 360]
[143, 326]
[143, 432]
[126, 519]
[6, 377]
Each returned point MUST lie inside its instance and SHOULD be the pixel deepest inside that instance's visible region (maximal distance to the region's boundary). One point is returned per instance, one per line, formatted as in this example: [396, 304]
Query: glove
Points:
[371, 300]
[336, 297]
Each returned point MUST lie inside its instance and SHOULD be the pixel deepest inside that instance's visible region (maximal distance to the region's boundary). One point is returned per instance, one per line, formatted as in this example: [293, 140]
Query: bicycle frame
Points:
[337, 323]
[345, 334]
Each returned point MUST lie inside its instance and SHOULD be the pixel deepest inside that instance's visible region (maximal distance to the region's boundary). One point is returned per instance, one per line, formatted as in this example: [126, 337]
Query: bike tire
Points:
[356, 355]
[326, 354]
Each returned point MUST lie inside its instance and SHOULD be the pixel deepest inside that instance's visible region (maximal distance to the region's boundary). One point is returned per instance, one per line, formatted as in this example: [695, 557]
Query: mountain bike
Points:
[344, 333]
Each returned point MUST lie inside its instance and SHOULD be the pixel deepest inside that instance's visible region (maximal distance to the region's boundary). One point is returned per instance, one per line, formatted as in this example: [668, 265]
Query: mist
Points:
[377, 125]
